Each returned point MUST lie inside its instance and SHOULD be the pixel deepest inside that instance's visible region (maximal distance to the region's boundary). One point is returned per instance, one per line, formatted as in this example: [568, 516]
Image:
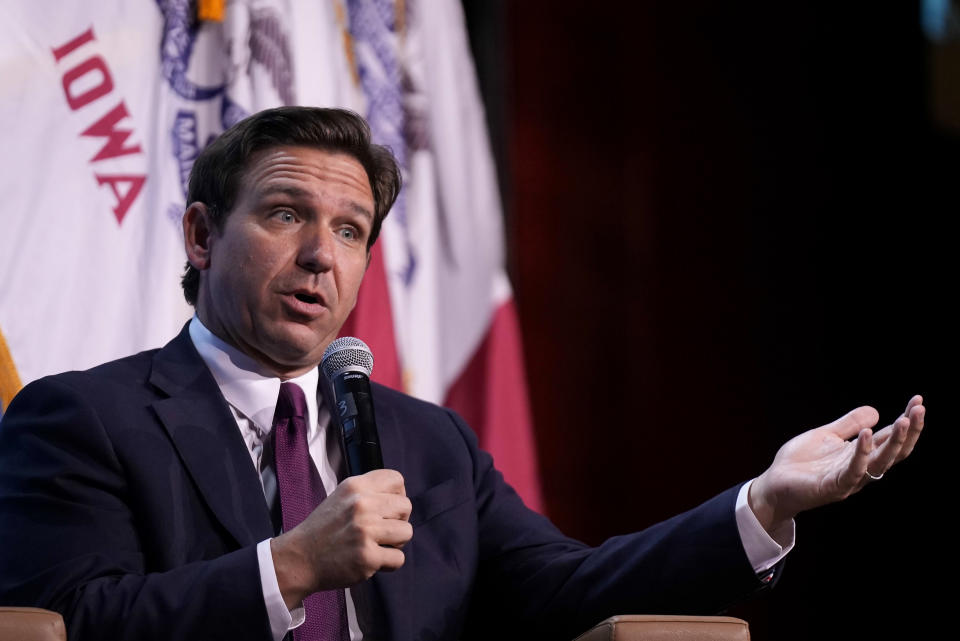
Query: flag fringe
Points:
[9, 379]
[211, 10]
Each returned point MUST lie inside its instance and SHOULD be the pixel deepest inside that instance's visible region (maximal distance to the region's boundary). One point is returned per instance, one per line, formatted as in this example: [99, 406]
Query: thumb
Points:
[851, 423]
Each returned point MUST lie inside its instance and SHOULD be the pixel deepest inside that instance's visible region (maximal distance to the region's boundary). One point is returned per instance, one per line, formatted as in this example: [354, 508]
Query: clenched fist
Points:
[356, 531]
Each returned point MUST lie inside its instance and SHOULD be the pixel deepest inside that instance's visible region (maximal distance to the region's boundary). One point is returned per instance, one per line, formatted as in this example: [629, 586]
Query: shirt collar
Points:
[245, 385]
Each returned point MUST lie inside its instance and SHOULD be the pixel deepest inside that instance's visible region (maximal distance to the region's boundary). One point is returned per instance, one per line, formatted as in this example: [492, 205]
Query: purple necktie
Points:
[300, 491]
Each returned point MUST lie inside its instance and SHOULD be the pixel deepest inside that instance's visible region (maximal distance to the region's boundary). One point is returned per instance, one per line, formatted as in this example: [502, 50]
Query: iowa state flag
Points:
[104, 107]
[90, 247]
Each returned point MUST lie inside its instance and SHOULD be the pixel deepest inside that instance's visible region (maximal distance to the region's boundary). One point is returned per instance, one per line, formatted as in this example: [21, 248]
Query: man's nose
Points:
[316, 250]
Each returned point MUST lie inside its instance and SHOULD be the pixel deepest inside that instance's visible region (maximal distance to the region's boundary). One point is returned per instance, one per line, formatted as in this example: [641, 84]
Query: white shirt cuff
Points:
[763, 550]
[281, 619]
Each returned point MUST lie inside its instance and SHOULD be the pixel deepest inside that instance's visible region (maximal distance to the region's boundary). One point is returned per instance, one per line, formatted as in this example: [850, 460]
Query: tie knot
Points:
[291, 403]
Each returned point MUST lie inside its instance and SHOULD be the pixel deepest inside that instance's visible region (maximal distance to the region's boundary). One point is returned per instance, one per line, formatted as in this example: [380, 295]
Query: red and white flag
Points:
[455, 329]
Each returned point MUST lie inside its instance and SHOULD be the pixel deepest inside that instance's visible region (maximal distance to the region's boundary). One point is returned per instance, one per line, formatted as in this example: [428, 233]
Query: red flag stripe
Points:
[491, 395]
[372, 322]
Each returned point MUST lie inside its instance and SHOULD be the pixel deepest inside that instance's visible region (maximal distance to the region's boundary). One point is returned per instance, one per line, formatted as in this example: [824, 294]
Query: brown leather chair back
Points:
[35, 624]
[31, 624]
[668, 628]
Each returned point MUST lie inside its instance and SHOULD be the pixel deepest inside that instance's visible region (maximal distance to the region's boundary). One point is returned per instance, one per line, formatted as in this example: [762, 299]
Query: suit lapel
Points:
[198, 421]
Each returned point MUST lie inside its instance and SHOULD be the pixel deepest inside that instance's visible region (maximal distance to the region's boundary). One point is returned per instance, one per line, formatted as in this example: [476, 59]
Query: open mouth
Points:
[307, 298]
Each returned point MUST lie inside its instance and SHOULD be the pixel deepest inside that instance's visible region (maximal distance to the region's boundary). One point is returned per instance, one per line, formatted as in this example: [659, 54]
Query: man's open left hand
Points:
[823, 465]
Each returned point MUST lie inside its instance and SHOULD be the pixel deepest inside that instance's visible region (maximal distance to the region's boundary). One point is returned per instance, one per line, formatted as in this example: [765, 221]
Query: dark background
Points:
[727, 223]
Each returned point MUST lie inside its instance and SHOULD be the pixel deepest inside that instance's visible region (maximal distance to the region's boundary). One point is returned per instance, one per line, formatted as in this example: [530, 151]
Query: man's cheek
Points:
[355, 296]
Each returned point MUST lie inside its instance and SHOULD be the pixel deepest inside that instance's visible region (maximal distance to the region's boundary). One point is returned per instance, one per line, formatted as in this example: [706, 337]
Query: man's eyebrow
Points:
[360, 209]
[297, 192]
[287, 190]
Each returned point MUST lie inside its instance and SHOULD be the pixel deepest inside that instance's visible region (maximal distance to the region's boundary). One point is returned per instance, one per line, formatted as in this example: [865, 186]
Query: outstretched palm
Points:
[822, 465]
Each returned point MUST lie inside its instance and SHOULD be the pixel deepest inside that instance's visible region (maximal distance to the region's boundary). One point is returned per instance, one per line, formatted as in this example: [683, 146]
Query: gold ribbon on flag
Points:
[9, 379]
[211, 10]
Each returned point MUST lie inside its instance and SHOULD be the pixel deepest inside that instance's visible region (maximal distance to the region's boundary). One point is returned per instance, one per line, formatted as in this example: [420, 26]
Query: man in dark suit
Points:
[132, 495]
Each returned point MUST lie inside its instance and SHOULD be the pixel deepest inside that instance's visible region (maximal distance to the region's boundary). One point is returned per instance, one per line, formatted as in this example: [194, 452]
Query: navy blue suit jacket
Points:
[128, 503]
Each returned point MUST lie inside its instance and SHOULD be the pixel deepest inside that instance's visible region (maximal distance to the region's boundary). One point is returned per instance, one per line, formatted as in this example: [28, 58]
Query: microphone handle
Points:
[358, 426]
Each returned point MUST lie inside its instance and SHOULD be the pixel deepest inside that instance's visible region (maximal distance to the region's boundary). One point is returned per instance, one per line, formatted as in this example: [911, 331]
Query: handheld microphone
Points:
[347, 363]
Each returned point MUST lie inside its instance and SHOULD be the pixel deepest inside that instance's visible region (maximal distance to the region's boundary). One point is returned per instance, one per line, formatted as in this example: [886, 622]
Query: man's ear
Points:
[197, 232]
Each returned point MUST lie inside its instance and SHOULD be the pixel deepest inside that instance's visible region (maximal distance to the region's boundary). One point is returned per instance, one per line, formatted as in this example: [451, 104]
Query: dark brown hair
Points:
[217, 171]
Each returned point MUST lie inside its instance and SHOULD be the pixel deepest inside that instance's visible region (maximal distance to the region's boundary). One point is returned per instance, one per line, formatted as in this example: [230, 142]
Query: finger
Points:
[376, 482]
[370, 509]
[913, 418]
[881, 437]
[394, 533]
[916, 416]
[392, 506]
[915, 401]
[387, 481]
[387, 558]
[853, 477]
[854, 422]
[886, 452]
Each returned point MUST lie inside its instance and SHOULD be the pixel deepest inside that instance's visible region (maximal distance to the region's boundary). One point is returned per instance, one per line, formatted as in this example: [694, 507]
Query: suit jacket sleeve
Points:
[72, 540]
[480, 562]
[552, 586]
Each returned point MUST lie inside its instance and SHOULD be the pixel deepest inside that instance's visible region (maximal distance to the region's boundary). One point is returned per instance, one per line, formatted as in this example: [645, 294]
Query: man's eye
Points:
[285, 216]
[349, 233]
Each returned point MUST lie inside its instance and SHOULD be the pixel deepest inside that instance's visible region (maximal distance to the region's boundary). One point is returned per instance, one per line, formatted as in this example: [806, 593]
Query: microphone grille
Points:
[347, 353]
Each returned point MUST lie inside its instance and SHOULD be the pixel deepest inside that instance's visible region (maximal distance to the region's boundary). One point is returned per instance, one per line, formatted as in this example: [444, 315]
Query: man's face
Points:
[283, 273]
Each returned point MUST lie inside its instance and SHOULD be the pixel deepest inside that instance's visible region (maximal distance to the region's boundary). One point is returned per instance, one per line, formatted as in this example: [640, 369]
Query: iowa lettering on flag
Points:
[106, 104]
[89, 256]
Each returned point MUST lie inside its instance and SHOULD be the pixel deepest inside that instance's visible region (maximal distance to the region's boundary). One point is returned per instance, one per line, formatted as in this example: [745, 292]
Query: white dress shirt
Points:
[252, 393]
[763, 550]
